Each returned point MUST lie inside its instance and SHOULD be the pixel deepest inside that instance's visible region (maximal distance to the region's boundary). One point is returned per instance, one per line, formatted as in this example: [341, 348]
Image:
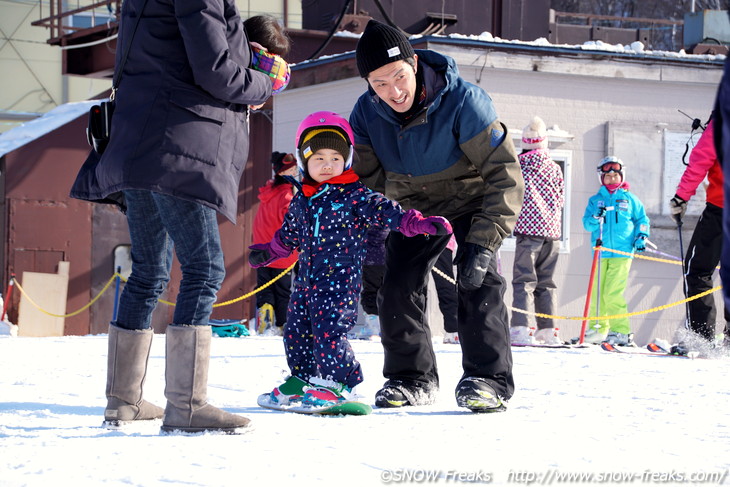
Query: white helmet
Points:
[611, 164]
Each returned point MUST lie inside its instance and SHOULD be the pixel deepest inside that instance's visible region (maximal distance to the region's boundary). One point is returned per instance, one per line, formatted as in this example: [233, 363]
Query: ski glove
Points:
[677, 207]
[600, 213]
[274, 67]
[264, 254]
[472, 262]
[413, 223]
[640, 243]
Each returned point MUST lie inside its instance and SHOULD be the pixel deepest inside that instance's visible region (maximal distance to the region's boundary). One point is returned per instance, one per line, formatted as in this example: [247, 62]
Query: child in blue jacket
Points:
[327, 223]
[618, 217]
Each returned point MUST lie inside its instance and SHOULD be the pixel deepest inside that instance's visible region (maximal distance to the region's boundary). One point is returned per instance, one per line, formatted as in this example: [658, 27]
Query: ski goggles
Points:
[608, 167]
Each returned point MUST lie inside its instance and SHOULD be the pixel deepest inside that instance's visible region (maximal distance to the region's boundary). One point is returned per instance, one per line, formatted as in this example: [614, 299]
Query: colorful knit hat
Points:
[274, 66]
[534, 135]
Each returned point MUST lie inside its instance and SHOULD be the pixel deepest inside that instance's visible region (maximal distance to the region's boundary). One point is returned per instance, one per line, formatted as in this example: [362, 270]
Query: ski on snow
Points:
[653, 350]
[559, 345]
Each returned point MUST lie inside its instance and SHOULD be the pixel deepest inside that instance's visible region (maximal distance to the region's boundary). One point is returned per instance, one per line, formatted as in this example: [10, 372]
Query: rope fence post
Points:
[8, 295]
[116, 293]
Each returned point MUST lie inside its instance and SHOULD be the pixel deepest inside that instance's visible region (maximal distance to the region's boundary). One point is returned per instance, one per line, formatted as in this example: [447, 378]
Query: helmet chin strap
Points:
[300, 164]
[348, 162]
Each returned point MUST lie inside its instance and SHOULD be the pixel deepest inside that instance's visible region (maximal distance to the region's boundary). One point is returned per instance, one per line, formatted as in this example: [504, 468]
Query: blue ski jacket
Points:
[625, 220]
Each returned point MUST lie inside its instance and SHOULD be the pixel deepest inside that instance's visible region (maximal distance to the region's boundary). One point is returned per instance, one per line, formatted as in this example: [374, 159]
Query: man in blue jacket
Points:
[431, 141]
[175, 157]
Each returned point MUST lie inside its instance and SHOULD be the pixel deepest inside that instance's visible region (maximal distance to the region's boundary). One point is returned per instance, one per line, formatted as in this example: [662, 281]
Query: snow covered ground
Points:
[610, 418]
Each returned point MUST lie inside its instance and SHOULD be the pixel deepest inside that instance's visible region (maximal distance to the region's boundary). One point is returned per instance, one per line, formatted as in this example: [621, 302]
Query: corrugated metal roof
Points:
[28, 132]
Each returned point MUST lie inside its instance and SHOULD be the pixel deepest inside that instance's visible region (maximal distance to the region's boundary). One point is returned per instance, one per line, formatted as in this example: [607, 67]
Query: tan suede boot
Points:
[186, 385]
[125, 375]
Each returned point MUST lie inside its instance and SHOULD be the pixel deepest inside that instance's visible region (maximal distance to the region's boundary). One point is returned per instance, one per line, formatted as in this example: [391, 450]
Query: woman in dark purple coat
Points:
[177, 149]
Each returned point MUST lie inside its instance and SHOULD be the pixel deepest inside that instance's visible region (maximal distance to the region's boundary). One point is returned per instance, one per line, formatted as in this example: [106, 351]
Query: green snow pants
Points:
[614, 275]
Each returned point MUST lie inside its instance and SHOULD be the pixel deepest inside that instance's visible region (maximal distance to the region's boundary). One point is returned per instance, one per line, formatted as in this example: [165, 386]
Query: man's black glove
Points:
[472, 261]
[677, 207]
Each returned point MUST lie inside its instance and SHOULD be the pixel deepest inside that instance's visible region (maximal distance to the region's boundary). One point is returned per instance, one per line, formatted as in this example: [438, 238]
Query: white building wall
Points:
[619, 106]
[276, 8]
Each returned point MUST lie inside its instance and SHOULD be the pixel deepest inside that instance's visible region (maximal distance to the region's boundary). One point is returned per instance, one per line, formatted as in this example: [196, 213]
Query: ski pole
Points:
[654, 250]
[599, 244]
[684, 272]
[594, 266]
[669, 256]
[587, 307]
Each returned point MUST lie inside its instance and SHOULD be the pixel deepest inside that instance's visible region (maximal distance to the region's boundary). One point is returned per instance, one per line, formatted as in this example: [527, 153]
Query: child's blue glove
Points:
[640, 243]
[600, 213]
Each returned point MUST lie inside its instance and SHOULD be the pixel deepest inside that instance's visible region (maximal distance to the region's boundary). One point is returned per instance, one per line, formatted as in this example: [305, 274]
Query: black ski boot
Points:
[398, 393]
[477, 395]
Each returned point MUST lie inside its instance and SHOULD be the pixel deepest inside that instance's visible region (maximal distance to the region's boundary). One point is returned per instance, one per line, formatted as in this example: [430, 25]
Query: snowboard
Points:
[347, 408]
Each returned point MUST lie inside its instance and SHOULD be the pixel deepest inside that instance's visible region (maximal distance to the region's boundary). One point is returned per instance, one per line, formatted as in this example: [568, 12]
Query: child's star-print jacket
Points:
[329, 229]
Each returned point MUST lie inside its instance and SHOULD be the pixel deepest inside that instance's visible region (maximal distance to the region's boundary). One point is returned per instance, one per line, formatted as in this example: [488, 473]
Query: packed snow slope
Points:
[579, 416]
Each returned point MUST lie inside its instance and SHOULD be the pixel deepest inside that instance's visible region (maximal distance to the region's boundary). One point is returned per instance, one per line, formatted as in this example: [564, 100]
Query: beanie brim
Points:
[327, 138]
[534, 143]
[381, 44]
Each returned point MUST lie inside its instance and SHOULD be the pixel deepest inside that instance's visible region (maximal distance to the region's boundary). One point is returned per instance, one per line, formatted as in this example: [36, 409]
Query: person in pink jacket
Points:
[703, 252]
[537, 234]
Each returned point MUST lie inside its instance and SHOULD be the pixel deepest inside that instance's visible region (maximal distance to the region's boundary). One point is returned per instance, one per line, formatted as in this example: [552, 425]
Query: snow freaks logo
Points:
[403, 475]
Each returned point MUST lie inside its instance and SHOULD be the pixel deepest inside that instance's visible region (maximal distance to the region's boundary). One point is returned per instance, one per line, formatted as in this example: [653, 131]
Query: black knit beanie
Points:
[381, 44]
[323, 138]
[278, 162]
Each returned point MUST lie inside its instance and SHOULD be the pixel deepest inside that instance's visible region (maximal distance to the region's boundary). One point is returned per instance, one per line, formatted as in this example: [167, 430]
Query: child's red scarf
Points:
[310, 187]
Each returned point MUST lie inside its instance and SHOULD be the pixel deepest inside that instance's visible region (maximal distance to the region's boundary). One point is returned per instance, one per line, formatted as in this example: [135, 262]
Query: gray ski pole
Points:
[599, 244]
[684, 273]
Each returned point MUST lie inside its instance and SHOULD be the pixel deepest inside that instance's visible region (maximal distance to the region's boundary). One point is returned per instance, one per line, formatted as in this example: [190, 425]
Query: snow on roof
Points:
[28, 132]
[635, 48]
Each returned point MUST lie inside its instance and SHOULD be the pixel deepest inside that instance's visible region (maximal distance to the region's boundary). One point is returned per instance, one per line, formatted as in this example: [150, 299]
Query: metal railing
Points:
[61, 14]
[665, 34]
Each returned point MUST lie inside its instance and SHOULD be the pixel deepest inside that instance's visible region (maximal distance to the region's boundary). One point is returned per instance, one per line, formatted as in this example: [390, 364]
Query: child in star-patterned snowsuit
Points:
[327, 223]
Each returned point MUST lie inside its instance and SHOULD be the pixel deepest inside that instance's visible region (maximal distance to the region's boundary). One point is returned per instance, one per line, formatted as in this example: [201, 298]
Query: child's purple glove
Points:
[264, 254]
[413, 223]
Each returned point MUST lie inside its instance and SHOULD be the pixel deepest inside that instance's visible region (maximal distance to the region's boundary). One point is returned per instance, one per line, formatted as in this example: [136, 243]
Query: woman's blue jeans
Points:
[158, 224]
